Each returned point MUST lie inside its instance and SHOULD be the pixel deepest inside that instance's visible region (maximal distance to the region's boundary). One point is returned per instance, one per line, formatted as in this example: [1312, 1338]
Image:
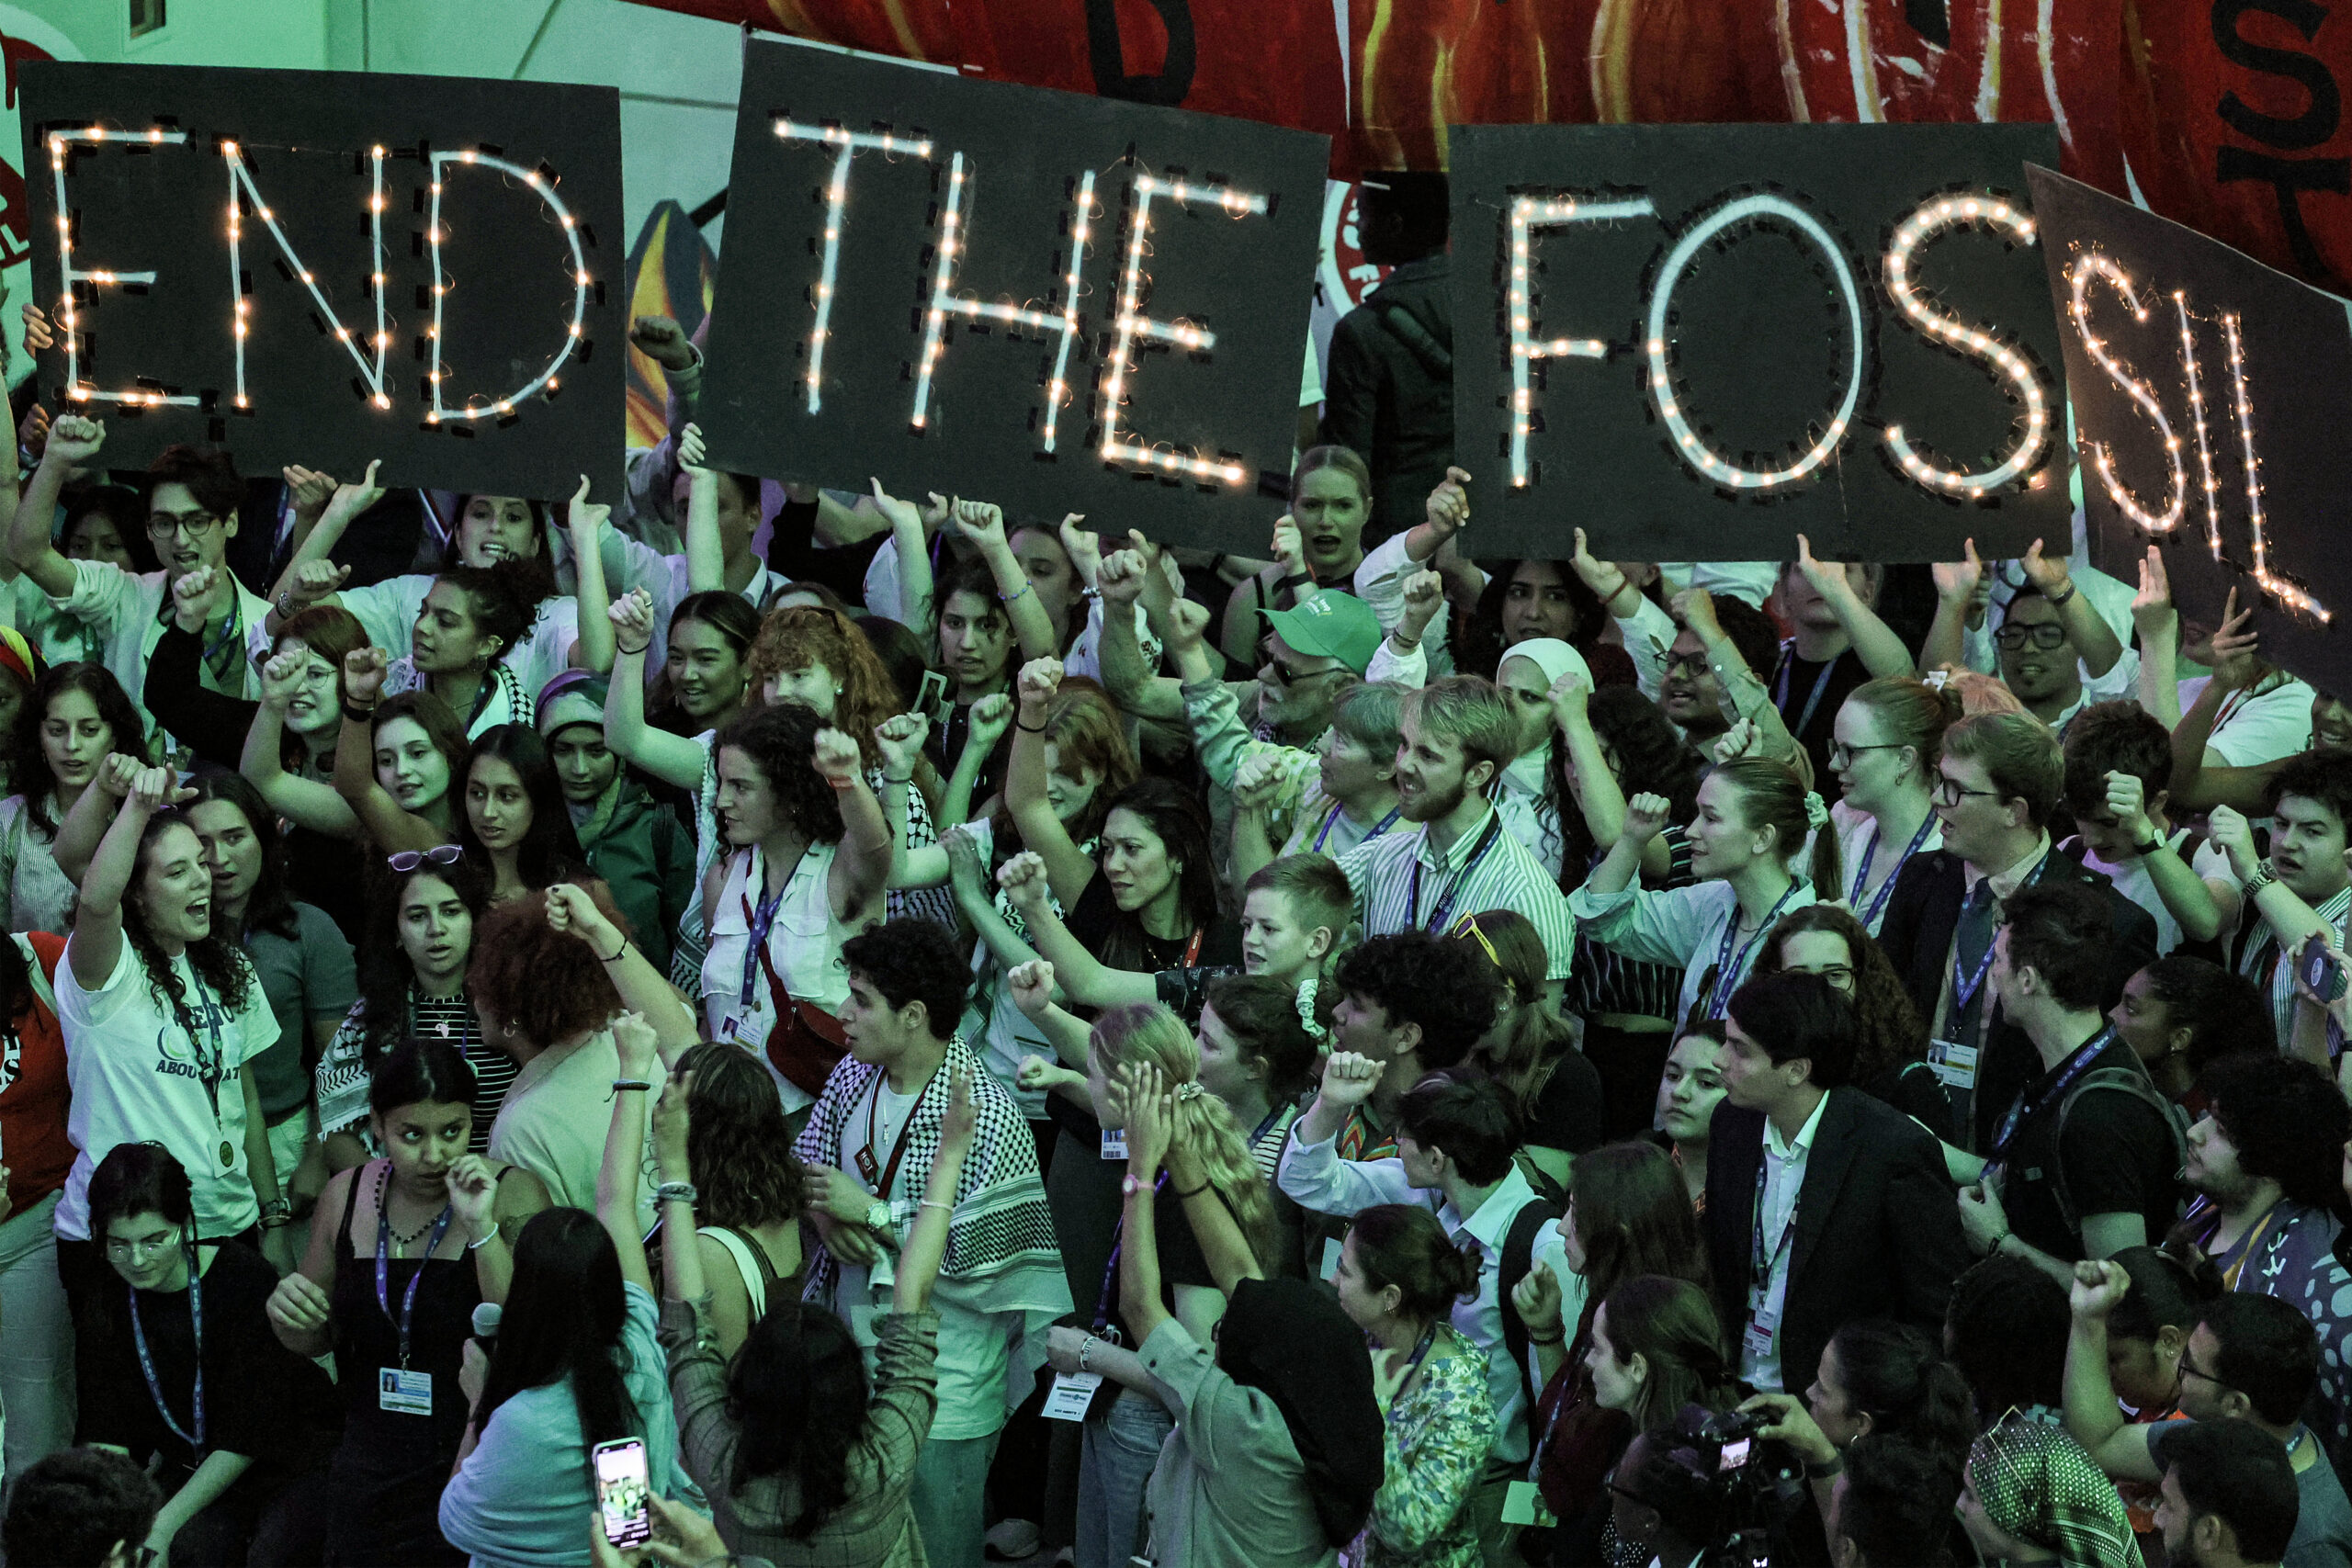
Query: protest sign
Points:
[1052, 302]
[323, 268]
[2212, 402]
[1698, 342]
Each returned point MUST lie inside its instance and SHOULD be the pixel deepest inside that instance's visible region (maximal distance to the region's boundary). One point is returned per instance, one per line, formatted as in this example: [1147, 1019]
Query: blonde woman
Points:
[1123, 1432]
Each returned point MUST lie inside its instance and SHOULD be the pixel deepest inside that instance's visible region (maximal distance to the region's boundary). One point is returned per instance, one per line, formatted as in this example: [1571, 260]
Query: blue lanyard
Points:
[1780, 688]
[1111, 1269]
[1332, 820]
[383, 1265]
[1760, 1265]
[761, 918]
[1444, 910]
[1728, 969]
[1964, 989]
[2018, 1111]
[147, 1363]
[1863, 877]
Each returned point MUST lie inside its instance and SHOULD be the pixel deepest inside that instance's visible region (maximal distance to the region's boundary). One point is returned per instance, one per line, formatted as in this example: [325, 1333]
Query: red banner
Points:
[2228, 112]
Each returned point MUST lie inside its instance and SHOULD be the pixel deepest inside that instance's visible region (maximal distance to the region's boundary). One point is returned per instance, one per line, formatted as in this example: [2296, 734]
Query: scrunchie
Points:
[1305, 999]
[1817, 813]
[1191, 1091]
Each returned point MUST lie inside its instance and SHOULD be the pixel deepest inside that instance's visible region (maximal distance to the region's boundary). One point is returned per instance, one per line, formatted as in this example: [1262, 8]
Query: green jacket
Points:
[647, 857]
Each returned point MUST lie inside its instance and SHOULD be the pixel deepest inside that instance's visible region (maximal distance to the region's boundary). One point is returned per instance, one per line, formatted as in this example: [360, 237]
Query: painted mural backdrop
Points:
[2226, 115]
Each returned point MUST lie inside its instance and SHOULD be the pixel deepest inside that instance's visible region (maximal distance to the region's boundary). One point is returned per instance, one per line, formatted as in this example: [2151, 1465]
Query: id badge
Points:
[1114, 1142]
[735, 1029]
[1524, 1504]
[1954, 1062]
[1070, 1395]
[1758, 1341]
[405, 1392]
[1331, 1249]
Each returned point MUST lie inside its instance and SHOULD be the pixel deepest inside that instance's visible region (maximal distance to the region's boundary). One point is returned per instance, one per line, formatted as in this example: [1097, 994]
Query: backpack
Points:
[1518, 1258]
[2134, 1081]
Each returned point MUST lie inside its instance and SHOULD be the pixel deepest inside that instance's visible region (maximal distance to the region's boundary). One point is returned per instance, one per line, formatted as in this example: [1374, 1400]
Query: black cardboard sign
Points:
[1706, 347]
[268, 332]
[2212, 401]
[1053, 301]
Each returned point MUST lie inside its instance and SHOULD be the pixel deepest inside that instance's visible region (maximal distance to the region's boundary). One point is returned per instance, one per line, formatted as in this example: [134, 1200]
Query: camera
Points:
[1745, 1487]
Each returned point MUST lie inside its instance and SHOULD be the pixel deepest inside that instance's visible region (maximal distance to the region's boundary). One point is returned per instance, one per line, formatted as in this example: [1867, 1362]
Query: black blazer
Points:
[1877, 1226]
[1921, 914]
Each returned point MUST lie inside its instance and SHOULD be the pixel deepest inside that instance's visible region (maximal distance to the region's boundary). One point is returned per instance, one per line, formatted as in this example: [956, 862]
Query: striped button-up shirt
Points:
[1462, 881]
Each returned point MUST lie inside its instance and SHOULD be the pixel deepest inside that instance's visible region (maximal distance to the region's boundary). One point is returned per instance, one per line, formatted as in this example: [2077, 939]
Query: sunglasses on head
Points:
[439, 855]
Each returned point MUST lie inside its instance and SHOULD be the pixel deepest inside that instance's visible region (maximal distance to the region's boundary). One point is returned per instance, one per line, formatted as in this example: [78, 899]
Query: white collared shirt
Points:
[1785, 1162]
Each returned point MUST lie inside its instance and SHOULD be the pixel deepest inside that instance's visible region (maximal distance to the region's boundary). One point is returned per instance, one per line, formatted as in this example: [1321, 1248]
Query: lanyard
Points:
[209, 1069]
[1760, 1265]
[1964, 987]
[1444, 910]
[1727, 967]
[889, 1172]
[231, 635]
[1780, 688]
[761, 920]
[1267, 1125]
[147, 1363]
[2018, 1111]
[1331, 820]
[383, 1264]
[1863, 877]
[1111, 1269]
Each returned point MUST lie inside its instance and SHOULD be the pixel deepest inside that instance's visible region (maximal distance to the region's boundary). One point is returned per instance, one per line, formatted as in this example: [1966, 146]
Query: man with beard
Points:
[1455, 859]
[2265, 1164]
[2228, 1496]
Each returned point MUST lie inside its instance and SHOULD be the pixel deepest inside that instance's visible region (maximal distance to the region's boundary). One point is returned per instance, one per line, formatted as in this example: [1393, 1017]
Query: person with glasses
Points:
[193, 495]
[189, 1381]
[1997, 785]
[1884, 745]
[2119, 773]
[1713, 660]
[413, 964]
[1828, 939]
[2056, 651]
[1837, 644]
[2250, 1357]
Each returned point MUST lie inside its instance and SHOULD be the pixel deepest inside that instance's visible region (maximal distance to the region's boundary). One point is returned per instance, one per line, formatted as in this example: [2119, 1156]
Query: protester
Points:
[1893, 1504]
[628, 842]
[2006, 1333]
[74, 718]
[2182, 1014]
[1890, 1061]
[728, 1126]
[1531, 1049]
[2031, 1494]
[1689, 1092]
[36, 1382]
[80, 1508]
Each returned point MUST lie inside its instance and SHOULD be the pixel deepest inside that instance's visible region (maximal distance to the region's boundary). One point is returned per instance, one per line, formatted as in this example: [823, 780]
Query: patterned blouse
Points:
[1438, 1437]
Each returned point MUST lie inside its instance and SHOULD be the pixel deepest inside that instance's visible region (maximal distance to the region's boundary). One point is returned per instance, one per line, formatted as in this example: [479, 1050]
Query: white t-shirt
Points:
[554, 1120]
[388, 612]
[136, 1072]
[804, 945]
[2131, 880]
[2256, 729]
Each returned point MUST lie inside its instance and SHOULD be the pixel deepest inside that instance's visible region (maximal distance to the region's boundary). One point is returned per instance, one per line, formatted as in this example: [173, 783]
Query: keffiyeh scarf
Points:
[2039, 1485]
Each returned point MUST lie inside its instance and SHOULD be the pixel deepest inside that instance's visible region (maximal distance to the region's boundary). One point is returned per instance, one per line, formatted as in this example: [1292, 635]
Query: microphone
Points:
[486, 1319]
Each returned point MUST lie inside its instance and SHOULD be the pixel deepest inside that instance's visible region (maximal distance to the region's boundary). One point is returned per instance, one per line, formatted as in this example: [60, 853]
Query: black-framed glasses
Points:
[2189, 1369]
[1839, 975]
[1840, 755]
[1948, 792]
[164, 525]
[439, 855]
[1690, 664]
[2043, 634]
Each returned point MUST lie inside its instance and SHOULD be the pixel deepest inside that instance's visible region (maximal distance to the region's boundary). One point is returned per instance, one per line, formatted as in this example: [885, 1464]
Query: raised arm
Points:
[1085, 979]
[2203, 910]
[380, 815]
[96, 945]
[910, 540]
[73, 441]
[584, 519]
[1068, 868]
[2093, 1418]
[1152, 1124]
[1881, 651]
[862, 865]
[310, 577]
[1032, 989]
[2093, 638]
[705, 557]
[670, 1024]
[981, 522]
[926, 1243]
[681, 1272]
[1957, 584]
[1446, 514]
[1126, 674]
[2158, 624]
[617, 1207]
[304, 802]
[985, 722]
[1644, 818]
[674, 759]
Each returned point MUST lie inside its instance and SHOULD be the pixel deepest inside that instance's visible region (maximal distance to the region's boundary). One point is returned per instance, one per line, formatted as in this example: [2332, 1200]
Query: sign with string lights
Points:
[2210, 397]
[327, 268]
[1699, 340]
[1056, 302]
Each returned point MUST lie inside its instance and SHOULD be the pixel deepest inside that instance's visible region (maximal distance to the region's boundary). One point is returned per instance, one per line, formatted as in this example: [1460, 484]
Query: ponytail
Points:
[1149, 1033]
[1403, 1245]
[1772, 795]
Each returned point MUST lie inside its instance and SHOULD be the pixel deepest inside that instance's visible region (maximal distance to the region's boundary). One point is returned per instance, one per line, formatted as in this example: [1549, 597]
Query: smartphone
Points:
[931, 700]
[623, 1485]
[2321, 970]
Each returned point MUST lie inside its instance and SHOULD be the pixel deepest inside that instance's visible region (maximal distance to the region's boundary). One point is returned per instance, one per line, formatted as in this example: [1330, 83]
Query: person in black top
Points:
[2081, 1162]
[80, 1508]
[190, 1380]
[1838, 643]
[435, 1220]
[1389, 390]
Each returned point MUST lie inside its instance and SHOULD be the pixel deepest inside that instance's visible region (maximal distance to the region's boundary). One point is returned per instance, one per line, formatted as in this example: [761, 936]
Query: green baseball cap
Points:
[1332, 625]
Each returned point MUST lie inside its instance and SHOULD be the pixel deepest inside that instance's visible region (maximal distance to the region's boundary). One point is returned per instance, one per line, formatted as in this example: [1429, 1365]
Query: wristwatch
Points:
[2150, 847]
[877, 1215]
[2263, 877]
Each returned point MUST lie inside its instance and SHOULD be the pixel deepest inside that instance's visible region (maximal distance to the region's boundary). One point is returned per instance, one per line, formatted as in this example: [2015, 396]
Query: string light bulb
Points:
[2096, 268]
[241, 178]
[2032, 428]
[2197, 423]
[1530, 215]
[848, 143]
[1687, 442]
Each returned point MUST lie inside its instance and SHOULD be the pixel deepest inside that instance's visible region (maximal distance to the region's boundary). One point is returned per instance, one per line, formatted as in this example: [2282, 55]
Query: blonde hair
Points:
[1149, 1033]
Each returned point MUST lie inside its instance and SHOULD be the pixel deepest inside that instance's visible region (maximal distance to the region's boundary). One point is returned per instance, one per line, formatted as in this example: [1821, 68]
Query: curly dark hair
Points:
[2324, 776]
[2119, 737]
[2007, 1327]
[1447, 987]
[550, 851]
[1480, 649]
[497, 597]
[26, 765]
[913, 960]
[1652, 757]
[544, 985]
[385, 973]
[221, 965]
[2282, 1116]
[1892, 1032]
[2224, 1011]
[72, 1507]
[119, 504]
[781, 742]
[739, 1145]
[270, 907]
[530, 578]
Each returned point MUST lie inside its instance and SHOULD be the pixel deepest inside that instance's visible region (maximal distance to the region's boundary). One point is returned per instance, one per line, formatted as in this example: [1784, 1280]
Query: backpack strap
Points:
[2134, 1081]
[1519, 1258]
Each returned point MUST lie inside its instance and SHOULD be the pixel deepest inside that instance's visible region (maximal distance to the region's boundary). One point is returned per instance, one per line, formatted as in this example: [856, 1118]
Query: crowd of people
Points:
[959, 1040]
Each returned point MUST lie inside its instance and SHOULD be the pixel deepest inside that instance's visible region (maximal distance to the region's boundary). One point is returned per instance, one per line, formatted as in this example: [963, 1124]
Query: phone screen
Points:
[622, 1484]
[1734, 1455]
[2320, 970]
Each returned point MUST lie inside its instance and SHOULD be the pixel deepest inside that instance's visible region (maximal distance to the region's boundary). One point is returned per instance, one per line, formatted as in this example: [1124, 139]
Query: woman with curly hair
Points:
[728, 1128]
[1829, 939]
[161, 1012]
[808, 857]
[413, 962]
[75, 715]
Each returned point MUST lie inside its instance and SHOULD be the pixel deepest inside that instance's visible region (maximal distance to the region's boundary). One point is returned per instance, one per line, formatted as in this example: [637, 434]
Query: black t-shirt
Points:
[1084, 1190]
[2117, 1151]
[1097, 917]
[1567, 1112]
[1809, 720]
